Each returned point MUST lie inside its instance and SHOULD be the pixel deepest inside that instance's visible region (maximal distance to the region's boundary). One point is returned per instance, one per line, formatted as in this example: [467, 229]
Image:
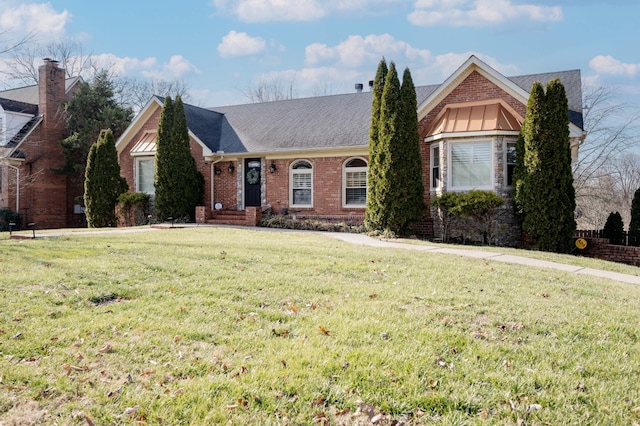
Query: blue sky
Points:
[222, 48]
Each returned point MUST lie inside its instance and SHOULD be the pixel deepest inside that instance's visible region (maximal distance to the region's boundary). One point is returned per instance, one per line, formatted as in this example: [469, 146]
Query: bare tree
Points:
[605, 169]
[273, 89]
[609, 190]
[23, 65]
[612, 128]
[135, 93]
[9, 45]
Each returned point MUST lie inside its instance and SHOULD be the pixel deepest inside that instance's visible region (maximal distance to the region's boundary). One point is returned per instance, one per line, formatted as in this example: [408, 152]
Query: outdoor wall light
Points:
[272, 167]
[231, 168]
[218, 170]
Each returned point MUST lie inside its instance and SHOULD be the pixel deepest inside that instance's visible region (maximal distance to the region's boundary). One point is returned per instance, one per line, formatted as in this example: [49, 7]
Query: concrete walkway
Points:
[366, 240]
[362, 239]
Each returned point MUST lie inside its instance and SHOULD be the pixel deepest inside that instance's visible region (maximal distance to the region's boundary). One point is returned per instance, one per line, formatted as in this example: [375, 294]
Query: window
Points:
[354, 178]
[145, 168]
[435, 166]
[301, 184]
[470, 165]
[510, 163]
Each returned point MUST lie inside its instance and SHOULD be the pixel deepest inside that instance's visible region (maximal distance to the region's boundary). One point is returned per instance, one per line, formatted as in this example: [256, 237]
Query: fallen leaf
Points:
[319, 401]
[104, 349]
[242, 402]
[324, 330]
[534, 407]
[373, 296]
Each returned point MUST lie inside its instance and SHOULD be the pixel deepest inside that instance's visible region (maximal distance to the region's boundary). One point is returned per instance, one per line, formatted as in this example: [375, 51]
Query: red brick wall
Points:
[600, 248]
[127, 162]
[43, 193]
[472, 89]
[327, 186]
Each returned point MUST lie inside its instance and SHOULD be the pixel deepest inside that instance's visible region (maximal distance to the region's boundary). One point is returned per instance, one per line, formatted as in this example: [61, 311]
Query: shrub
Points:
[614, 229]
[475, 210]
[8, 216]
[634, 225]
[135, 207]
[445, 204]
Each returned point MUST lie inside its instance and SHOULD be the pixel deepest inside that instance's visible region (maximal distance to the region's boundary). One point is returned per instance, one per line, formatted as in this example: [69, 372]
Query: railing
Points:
[599, 233]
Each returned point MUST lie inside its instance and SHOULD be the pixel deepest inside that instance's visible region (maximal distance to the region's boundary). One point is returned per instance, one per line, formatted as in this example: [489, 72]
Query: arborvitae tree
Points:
[91, 109]
[614, 229]
[193, 181]
[179, 186]
[562, 213]
[389, 152]
[544, 189]
[634, 225]
[408, 205]
[374, 208]
[164, 182]
[103, 183]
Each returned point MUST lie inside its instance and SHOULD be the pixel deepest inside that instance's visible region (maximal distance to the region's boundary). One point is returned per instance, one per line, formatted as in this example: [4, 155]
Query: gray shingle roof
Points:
[572, 82]
[17, 106]
[326, 122]
[30, 94]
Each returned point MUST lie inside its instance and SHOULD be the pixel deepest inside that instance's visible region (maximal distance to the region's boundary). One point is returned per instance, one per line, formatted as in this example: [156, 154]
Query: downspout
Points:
[17, 169]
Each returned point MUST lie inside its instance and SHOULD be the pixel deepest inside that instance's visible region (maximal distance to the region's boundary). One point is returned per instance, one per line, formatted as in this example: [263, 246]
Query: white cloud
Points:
[479, 13]
[610, 65]
[176, 68]
[123, 66]
[240, 44]
[356, 51]
[299, 10]
[271, 10]
[40, 19]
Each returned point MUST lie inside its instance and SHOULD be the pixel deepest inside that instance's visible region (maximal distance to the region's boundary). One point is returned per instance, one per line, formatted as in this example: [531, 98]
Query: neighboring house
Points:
[32, 126]
[309, 156]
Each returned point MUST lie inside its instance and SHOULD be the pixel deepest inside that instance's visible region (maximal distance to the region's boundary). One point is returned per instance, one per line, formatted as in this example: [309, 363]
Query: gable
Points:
[474, 88]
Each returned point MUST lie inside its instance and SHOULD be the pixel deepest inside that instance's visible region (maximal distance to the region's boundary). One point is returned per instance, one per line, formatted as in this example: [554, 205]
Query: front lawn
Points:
[209, 326]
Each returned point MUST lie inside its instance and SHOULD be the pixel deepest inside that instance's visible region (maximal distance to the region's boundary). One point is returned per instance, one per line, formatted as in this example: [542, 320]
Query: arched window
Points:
[354, 183]
[301, 184]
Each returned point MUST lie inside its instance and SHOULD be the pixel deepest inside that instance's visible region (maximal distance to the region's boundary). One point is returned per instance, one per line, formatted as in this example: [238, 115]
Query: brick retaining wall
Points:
[600, 248]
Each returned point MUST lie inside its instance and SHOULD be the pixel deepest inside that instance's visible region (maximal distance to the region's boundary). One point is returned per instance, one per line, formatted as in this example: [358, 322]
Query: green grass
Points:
[223, 326]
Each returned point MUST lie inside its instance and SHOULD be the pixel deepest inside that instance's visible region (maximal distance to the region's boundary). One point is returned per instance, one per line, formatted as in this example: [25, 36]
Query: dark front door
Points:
[252, 177]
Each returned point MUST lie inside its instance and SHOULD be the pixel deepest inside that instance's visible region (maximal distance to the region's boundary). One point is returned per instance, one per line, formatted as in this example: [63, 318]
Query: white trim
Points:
[344, 182]
[136, 176]
[301, 171]
[491, 185]
[432, 147]
[470, 65]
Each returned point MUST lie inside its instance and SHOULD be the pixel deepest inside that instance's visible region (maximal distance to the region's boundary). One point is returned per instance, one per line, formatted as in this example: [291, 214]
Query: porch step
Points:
[228, 217]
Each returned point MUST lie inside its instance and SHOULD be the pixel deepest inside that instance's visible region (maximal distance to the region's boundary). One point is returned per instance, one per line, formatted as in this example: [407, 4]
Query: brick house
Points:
[308, 157]
[32, 127]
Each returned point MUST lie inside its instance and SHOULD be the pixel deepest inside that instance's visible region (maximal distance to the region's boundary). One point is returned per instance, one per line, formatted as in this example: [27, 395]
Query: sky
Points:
[222, 49]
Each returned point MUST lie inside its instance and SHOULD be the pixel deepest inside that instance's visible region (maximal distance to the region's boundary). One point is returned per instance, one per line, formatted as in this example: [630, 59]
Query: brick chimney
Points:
[51, 90]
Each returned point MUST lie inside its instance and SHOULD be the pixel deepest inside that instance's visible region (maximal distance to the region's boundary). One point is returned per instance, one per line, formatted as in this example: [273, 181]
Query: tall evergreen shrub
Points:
[373, 212]
[614, 229]
[634, 225]
[179, 186]
[103, 183]
[544, 196]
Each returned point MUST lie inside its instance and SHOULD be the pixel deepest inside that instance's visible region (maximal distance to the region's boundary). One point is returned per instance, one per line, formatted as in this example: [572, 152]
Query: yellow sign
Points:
[581, 243]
